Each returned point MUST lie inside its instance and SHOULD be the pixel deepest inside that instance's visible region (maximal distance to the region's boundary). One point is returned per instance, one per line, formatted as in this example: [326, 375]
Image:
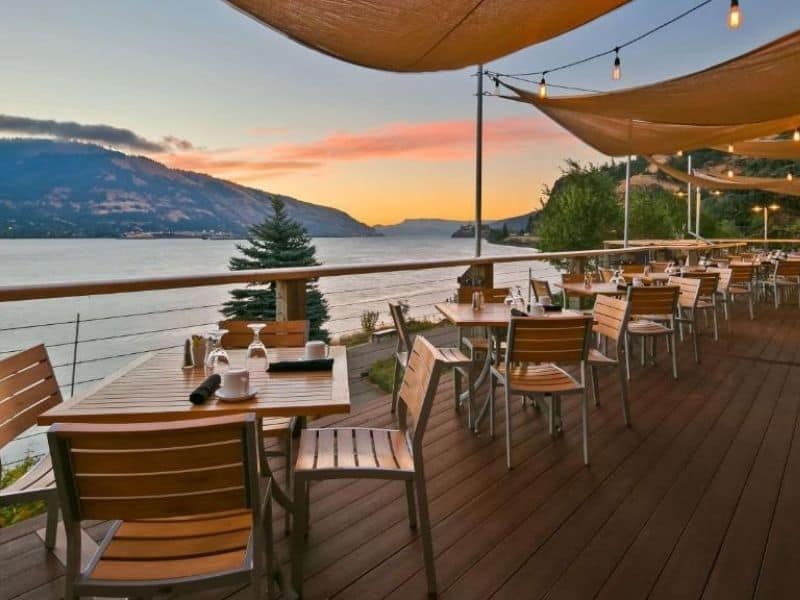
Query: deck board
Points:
[697, 499]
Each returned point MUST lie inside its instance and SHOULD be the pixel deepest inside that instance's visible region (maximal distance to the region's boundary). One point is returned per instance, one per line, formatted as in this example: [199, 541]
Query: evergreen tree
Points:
[277, 242]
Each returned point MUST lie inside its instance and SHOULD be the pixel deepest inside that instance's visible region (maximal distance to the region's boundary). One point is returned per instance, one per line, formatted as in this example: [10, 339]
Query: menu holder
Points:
[292, 366]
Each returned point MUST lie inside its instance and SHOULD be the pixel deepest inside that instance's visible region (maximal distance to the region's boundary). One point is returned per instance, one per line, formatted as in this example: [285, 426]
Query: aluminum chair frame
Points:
[664, 325]
[606, 328]
[785, 276]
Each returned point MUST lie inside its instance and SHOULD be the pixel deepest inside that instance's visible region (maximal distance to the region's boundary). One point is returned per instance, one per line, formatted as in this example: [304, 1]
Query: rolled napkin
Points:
[205, 389]
[286, 366]
[515, 312]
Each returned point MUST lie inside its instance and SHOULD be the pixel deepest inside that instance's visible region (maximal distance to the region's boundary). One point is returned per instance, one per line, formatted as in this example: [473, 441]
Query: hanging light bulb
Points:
[730, 173]
[542, 88]
[789, 177]
[796, 136]
[616, 72]
[679, 153]
[730, 147]
[734, 15]
[496, 86]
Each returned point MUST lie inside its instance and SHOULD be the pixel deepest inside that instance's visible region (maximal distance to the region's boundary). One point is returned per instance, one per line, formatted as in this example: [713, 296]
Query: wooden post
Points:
[290, 300]
[482, 273]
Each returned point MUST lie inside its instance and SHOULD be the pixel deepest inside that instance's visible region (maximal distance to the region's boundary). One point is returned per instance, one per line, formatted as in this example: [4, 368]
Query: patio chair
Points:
[653, 311]
[785, 277]
[28, 388]
[185, 500]
[476, 340]
[452, 357]
[707, 300]
[742, 283]
[688, 301]
[606, 274]
[394, 454]
[535, 345]
[723, 285]
[276, 334]
[658, 266]
[610, 320]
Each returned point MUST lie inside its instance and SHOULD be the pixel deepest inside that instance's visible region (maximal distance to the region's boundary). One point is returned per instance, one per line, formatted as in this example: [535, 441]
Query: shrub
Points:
[369, 320]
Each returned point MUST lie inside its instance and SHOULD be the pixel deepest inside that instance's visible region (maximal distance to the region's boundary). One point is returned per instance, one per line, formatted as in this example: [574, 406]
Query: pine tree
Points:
[278, 241]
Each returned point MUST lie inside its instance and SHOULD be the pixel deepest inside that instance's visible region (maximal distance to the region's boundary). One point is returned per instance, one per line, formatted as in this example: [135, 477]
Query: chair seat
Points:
[643, 327]
[735, 290]
[703, 304]
[354, 450]
[453, 357]
[276, 426]
[176, 548]
[40, 477]
[542, 378]
[598, 358]
[476, 343]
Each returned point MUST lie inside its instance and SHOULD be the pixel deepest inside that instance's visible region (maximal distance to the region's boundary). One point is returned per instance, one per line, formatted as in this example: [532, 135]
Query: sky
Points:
[197, 85]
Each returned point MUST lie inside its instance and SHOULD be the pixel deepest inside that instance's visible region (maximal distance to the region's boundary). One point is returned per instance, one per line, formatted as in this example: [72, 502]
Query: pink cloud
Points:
[433, 141]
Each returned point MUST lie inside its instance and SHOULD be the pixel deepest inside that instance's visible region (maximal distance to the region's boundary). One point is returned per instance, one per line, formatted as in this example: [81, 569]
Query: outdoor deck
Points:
[698, 498]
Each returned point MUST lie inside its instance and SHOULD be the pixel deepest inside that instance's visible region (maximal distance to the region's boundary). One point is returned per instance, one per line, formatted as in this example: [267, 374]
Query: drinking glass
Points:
[217, 359]
[256, 357]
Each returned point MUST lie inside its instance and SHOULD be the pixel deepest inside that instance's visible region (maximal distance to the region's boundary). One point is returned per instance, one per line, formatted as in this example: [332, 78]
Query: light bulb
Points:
[679, 153]
[730, 172]
[616, 72]
[789, 177]
[734, 15]
[774, 206]
[730, 147]
[496, 86]
[542, 88]
[796, 136]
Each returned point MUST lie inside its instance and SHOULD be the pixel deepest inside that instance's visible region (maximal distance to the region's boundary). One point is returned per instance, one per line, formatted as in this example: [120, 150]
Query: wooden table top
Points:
[580, 289]
[491, 315]
[156, 388]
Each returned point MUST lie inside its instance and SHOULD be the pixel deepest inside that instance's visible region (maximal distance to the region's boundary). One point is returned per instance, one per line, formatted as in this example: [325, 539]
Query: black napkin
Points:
[287, 366]
[552, 307]
[623, 288]
[515, 312]
[205, 389]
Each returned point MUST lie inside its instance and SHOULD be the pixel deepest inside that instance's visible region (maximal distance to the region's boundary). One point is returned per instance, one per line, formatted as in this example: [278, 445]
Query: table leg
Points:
[487, 365]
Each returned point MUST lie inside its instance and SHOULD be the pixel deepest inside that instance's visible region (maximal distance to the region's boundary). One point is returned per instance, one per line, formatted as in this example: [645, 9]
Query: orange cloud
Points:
[433, 141]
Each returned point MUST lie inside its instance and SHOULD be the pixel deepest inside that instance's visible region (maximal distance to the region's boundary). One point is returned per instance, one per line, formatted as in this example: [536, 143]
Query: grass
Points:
[15, 513]
[362, 337]
[381, 373]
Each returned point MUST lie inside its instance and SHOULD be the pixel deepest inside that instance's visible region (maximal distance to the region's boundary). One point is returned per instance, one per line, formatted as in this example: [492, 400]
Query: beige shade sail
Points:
[762, 85]
[777, 149]
[712, 182]
[423, 35]
[620, 136]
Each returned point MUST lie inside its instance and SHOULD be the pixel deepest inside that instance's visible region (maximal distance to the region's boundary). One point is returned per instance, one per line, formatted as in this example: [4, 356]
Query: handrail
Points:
[11, 293]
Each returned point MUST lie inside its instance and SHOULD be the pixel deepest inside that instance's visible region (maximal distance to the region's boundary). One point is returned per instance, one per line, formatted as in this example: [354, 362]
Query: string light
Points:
[730, 147]
[730, 173]
[734, 15]
[789, 177]
[543, 88]
[679, 153]
[796, 136]
[496, 86]
[616, 72]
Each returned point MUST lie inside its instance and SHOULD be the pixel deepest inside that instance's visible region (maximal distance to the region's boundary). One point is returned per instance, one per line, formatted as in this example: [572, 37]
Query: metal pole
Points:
[479, 163]
[75, 352]
[697, 215]
[627, 200]
[766, 212]
[689, 197]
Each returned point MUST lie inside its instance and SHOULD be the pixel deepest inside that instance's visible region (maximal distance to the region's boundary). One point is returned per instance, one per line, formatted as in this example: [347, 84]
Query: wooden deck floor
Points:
[699, 498]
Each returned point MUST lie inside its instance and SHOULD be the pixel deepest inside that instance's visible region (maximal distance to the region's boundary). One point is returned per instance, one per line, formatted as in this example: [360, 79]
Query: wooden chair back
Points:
[418, 389]
[28, 387]
[155, 470]
[658, 266]
[741, 274]
[541, 287]
[725, 275]
[709, 282]
[650, 301]
[403, 337]
[788, 269]
[490, 295]
[276, 334]
[610, 317]
[689, 290]
[572, 278]
[606, 274]
[545, 340]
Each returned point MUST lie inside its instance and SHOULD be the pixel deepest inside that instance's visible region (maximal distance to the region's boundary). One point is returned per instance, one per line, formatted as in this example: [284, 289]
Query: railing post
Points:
[75, 353]
[483, 273]
[290, 300]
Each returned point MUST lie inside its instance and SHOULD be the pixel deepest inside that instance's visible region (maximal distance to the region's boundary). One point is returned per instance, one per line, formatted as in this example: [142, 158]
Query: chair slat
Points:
[364, 449]
[164, 506]
[276, 334]
[22, 360]
[326, 458]
[345, 450]
[383, 450]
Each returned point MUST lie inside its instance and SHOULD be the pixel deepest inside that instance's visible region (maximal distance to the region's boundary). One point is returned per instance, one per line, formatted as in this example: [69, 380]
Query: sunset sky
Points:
[205, 88]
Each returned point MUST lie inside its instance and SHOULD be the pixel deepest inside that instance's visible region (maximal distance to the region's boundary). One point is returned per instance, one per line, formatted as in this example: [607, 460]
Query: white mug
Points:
[236, 382]
[315, 350]
[638, 282]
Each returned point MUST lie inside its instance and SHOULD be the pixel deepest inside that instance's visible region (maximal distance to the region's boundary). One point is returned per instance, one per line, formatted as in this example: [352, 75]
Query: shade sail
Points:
[619, 136]
[761, 85]
[777, 149]
[423, 35]
[712, 182]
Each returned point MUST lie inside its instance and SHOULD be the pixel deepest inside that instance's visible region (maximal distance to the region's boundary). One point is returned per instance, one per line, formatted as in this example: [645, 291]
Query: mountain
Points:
[518, 224]
[69, 189]
[421, 227]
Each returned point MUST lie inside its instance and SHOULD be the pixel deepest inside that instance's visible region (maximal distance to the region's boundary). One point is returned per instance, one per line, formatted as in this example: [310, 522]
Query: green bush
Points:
[19, 512]
[381, 373]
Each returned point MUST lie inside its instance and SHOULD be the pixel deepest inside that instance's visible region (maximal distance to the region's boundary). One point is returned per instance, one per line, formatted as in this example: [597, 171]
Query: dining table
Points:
[155, 387]
[493, 317]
